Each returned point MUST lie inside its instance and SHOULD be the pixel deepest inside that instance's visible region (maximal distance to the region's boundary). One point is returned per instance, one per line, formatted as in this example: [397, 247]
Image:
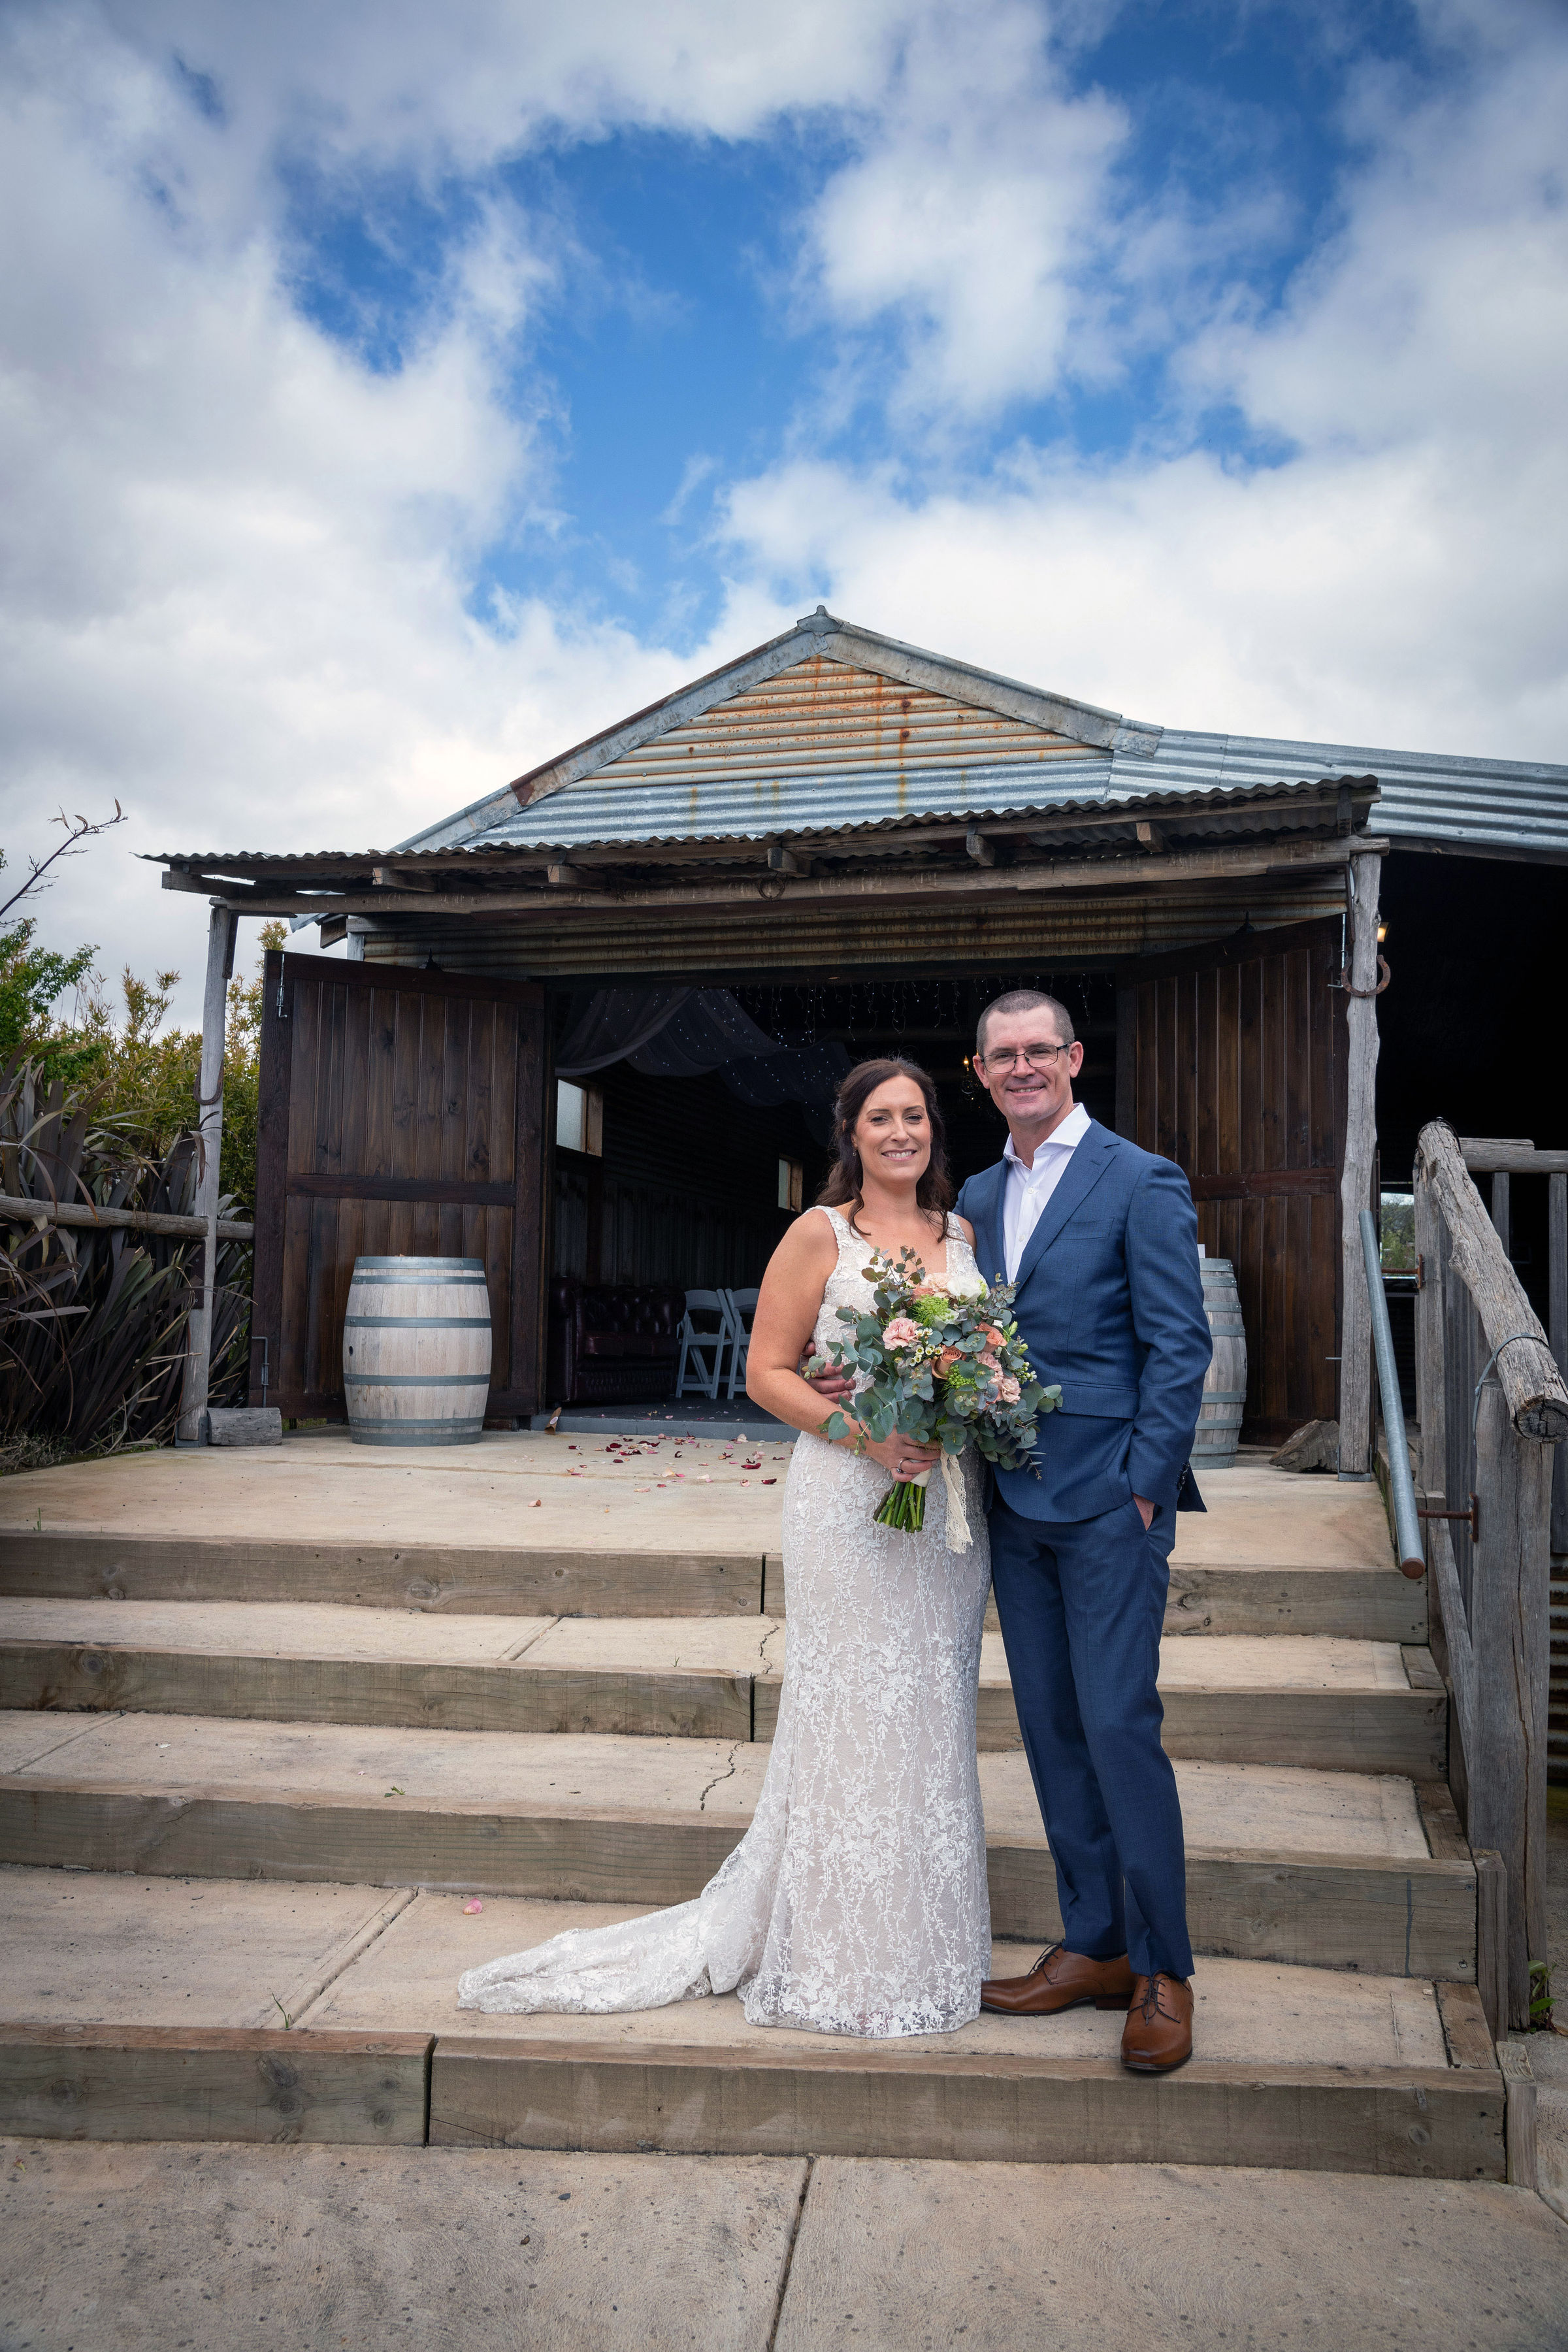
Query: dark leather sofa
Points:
[612, 1343]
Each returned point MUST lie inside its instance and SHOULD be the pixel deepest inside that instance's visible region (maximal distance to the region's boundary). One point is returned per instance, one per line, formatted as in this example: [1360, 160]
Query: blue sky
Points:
[677, 351]
[391, 397]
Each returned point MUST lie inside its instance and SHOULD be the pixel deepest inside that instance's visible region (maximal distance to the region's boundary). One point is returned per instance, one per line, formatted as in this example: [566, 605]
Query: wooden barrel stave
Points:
[1225, 1383]
[417, 1354]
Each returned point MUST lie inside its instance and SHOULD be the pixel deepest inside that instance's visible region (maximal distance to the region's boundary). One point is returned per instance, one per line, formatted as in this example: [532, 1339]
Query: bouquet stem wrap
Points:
[904, 1505]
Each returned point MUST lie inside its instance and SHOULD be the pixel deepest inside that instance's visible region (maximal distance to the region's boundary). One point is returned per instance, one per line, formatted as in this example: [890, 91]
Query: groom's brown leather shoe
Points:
[1158, 2035]
[1060, 1979]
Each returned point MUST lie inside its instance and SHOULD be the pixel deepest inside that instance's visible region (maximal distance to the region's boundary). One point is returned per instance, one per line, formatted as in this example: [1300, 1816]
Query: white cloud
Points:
[237, 567]
[972, 214]
[1398, 579]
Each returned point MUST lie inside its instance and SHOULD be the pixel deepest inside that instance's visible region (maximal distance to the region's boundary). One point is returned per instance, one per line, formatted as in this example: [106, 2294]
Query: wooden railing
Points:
[1493, 1407]
[25, 1208]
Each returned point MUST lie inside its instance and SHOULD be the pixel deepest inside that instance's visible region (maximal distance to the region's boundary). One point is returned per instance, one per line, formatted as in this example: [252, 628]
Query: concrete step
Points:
[126, 2001]
[1325, 1869]
[538, 1525]
[1374, 1603]
[1339, 1704]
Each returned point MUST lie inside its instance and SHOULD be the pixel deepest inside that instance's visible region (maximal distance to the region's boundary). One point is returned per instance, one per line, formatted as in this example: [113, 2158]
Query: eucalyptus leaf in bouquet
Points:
[937, 1358]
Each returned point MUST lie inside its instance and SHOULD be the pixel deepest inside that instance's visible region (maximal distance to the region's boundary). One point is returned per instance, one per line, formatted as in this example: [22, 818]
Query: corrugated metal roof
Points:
[1458, 804]
[829, 718]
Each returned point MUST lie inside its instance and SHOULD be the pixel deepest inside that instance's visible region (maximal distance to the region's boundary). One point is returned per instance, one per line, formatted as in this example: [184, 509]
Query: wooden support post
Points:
[1491, 1938]
[1557, 1331]
[1355, 1181]
[1501, 1211]
[221, 927]
[1511, 1636]
[1520, 2118]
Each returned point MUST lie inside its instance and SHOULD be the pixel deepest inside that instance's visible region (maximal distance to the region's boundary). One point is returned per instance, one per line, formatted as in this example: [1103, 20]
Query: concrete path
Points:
[653, 1491]
[140, 2249]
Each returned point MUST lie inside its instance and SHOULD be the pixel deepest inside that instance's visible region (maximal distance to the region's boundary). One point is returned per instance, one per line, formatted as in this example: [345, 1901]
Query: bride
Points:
[857, 1901]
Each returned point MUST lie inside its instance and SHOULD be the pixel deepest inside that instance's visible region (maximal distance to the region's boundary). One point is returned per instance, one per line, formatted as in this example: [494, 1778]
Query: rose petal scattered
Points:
[537, 1504]
[470, 1909]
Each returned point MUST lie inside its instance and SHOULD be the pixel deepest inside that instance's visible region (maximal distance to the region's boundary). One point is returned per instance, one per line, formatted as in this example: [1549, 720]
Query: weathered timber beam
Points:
[924, 887]
[1149, 835]
[1535, 1390]
[26, 1211]
[1355, 1175]
[1034, 825]
[981, 847]
[401, 877]
[1497, 1156]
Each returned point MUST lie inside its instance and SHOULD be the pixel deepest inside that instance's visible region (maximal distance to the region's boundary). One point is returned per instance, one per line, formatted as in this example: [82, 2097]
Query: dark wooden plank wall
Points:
[402, 1112]
[687, 1189]
[1230, 1061]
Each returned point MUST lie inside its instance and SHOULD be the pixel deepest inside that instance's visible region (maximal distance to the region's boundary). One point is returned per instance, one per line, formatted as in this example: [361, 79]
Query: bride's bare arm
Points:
[787, 1308]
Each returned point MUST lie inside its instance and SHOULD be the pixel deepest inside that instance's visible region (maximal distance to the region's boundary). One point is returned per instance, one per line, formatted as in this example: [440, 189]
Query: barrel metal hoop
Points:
[479, 1379]
[417, 1322]
[454, 1266]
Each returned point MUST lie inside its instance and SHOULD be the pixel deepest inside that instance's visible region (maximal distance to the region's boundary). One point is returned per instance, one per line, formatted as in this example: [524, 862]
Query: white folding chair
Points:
[706, 1334]
[742, 1307]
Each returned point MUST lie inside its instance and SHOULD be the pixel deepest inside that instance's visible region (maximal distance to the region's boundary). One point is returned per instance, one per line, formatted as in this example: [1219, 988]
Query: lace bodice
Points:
[857, 1902]
[848, 1285]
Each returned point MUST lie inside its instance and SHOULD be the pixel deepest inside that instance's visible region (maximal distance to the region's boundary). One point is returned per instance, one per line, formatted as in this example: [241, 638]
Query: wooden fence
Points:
[1493, 1409]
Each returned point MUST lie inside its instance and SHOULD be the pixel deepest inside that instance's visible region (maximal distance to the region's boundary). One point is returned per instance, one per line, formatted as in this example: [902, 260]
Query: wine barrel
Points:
[416, 1350]
[1225, 1382]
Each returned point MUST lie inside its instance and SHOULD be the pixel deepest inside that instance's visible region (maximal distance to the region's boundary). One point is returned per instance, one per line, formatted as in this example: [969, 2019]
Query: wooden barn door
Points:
[1230, 1059]
[400, 1111]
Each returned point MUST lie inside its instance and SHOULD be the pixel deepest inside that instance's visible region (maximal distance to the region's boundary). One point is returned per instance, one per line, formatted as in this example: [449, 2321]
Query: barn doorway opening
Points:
[669, 1186]
[684, 1181]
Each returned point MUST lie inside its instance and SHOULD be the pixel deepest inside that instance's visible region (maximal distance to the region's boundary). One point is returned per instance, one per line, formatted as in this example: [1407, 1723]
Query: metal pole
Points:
[1406, 1526]
[221, 927]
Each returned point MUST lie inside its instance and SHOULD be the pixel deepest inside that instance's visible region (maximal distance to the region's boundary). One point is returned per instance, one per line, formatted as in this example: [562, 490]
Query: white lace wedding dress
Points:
[857, 1901]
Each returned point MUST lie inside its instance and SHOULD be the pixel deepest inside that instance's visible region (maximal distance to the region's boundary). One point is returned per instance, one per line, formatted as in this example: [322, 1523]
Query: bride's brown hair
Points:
[934, 1190]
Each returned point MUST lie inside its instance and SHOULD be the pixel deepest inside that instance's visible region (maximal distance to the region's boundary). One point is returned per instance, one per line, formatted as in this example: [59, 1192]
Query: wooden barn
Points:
[588, 1028]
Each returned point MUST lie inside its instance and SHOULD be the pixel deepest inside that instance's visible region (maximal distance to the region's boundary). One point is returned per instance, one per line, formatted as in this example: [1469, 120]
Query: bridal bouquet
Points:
[941, 1362]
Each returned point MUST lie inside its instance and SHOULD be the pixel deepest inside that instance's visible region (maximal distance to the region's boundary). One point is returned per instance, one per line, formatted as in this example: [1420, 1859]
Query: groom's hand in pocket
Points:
[1146, 1509]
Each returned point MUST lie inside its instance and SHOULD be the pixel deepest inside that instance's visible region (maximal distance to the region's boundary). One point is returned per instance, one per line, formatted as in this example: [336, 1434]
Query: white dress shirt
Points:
[1028, 1189]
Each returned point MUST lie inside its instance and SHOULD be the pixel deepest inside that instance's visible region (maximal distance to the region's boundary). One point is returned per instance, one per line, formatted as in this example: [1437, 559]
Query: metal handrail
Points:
[1406, 1526]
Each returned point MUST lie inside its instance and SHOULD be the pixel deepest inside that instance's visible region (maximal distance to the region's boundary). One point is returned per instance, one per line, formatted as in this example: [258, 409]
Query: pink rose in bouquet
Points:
[940, 1362]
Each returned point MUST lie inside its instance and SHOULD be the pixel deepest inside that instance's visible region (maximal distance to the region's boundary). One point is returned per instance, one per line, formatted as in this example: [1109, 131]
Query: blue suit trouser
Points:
[1081, 1605]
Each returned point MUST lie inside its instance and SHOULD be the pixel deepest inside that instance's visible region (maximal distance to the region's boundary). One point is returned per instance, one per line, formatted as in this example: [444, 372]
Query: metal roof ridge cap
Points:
[463, 820]
[1005, 696]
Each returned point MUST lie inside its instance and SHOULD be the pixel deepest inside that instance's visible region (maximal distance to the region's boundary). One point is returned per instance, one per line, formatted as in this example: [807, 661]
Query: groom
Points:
[1101, 1241]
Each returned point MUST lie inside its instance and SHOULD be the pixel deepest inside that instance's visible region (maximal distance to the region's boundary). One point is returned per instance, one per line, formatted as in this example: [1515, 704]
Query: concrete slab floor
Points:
[1299, 1661]
[1248, 2012]
[656, 1492]
[1268, 1807]
[922, 2257]
[136, 2249]
[78, 1944]
[117, 2249]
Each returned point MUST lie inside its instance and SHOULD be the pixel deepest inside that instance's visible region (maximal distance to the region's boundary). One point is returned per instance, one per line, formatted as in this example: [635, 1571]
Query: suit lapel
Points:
[1083, 1172]
[989, 1240]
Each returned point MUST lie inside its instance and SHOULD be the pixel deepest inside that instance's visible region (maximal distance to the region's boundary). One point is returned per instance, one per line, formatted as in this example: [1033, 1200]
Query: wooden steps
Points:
[1329, 1869]
[270, 1730]
[1372, 1602]
[1332, 1704]
[370, 1986]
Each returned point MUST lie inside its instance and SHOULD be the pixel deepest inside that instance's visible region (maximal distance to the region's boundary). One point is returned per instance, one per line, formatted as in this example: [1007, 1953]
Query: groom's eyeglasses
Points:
[1038, 1058]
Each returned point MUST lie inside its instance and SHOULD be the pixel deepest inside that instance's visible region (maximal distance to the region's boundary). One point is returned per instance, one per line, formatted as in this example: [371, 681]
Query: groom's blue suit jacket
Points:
[1111, 1304]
